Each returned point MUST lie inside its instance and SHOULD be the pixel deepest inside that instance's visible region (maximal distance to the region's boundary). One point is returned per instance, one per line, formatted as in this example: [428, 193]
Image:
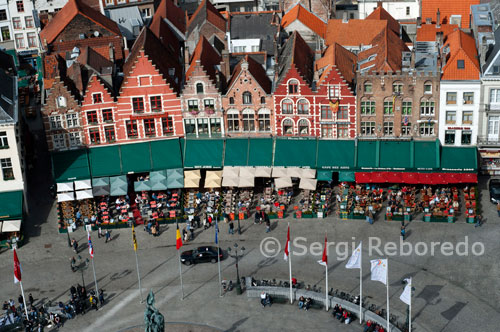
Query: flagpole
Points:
[95, 279]
[138, 275]
[361, 287]
[409, 313]
[180, 274]
[218, 253]
[326, 290]
[387, 284]
[24, 299]
[290, 269]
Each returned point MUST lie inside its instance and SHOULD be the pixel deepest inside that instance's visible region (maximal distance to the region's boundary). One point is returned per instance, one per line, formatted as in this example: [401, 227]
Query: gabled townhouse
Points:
[447, 12]
[248, 103]
[399, 9]
[311, 27]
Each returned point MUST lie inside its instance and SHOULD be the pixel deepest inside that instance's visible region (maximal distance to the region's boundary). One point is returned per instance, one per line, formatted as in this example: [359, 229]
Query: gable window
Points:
[303, 127]
[97, 98]
[303, 107]
[287, 107]
[264, 120]
[109, 133]
[199, 87]
[426, 108]
[367, 107]
[367, 87]
[61, 101]
[451, 117]
[19, 40]
[16, 22]
[231, 100]
[326, 112]
[397, 87]
[7, 170]
[75, 139]
[58, 141]
[94, 136]
[144, 81]
[149, 127]
[3, 15]
[262, 100]
[4, 142]
[92, 117]
[343, 113]
[248, 120]
[138, 104]
[29, 22]
[155, 103]
[193, 105]
[107, 115]
[451, 98]
[247, 98]
[293, 86]
[55, 122]
[343, 130]
[233, 123]
[31, 39]
[287, 127]
[132, 129]
[203, 126]
[428, 88]
[468, 98]
[167, 126]
[71, 120]
[460, 64]
[209, 104]
[333, 91]
[388, 107]
[406, 108]
[20, 6]
[5, 33]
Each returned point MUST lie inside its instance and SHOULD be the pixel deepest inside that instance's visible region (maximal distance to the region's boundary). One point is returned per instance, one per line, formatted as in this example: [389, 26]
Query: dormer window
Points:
[61, 101]
[97, 98]
[367, 87]
[199, 87]
[496, 70]
[460, 64]
[293, 87]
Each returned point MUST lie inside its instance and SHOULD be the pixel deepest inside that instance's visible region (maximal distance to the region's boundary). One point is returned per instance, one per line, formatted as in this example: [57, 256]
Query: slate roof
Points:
[307, 18]
[254, 25]
[492, 54]
[256, 70]
[206, 12]
[296, 52]
[446, 9]
[167, 9]
[337, 56]
[208, 57]
[462, 47]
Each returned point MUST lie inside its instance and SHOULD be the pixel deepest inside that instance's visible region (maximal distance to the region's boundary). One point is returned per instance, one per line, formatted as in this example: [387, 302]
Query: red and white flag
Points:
[17, 268]
[324, 259]
[287, 245]
[91, 248]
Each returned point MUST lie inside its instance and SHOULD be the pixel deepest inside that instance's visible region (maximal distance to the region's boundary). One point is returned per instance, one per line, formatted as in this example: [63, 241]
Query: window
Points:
[31, 39]
[406, 108]
[468, 98]
[451, 117]
[426, 108]
[109, 133]
[368, 128]
[132, 129]
[58, 141]
[29, 22]
[203, 126]
[287, 127]
[8, 172]
[149, 127]
[466, 137]
[146, 12]
[293, 87]
[367, 87]
[333, 91]
[303, 127]
[495, 96]
[467, 117]
[460, 64]
[190, 126]
[239, 49]
[71, 120]
[427, 129]
[55, 122]
[4, 142]
[209, 104]
[428, 88]
[343, 113]
[493, 122]
[405, 129]
[247, 98]
[144, 80]
[61, 101]
[95, 138]
[326, 130]
[16, 22]
[19, 40]
[326, 113]
[20, 6]
[5, 33]
[248, 120]
[449, 137]
[451, 98]
[107, 115]
[303, 107]
[167, 126]
[264, 120]
[263, 100]
[397, 87]
[343, 130]
[92, 117]
[287, 107]
[199, 87]
[367, 107]
[75, 139]
[388, 128]
[3, 14]
[233, 122]
[138, 104]
[97, 98]
[231, 100]
[192, 105]
[388, 107]
[215, 127]
[407, 11]
[155, 103]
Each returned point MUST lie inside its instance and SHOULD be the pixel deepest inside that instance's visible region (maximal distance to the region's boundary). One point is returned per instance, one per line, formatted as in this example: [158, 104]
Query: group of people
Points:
[341, 314]
[260, 217]
[373, 327]
[305, 303]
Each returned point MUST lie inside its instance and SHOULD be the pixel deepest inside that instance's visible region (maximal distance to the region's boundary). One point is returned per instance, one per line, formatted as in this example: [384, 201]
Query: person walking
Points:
[74, 243]
[99, 232]
[403, 233]
[231, 227]
[479, 221]
[268, 225]
[107, 235]
[101, 297]
[498, 208]
[370, 217]
[31, 299]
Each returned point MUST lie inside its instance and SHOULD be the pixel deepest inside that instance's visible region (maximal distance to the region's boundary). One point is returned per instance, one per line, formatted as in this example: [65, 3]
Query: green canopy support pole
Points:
[274, 151]
[412, 154]
[120, 154]
[248, 151]
[377, 153]
[438, 154]
[317, 148]
[356, 153]
[224, 151]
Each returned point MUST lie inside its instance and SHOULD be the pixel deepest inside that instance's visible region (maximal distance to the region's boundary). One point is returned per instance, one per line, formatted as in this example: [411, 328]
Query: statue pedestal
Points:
[176, 327]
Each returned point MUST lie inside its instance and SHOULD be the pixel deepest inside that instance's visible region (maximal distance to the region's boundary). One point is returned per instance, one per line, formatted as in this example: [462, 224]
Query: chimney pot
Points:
[438, 19]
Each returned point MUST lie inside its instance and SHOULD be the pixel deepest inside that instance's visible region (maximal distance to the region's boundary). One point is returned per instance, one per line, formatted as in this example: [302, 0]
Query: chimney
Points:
[412, 59]
[428, 20]
[111, 52]
[438, 19]
[226, 71]
[310, 6]
[419, 22]
[379, 4]
[345, 17]
[101, 7]
[439, 38]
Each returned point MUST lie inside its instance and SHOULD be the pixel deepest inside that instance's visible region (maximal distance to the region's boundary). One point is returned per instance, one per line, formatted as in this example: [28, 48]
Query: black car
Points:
[494, 188]
[200, 255]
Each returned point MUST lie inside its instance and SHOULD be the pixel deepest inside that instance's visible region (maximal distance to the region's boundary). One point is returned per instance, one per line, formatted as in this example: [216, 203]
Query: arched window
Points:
[428, 87]
[264, 120]
[262, 100]
[293, 86]
[303, 127]
[233, 122]
[231, 100]
[248, 120]
[61, 101]
[388, 106]
[367, 87]
[199, 87]
[247, 98]
[303, 106]
[287, 106]
[287, 127]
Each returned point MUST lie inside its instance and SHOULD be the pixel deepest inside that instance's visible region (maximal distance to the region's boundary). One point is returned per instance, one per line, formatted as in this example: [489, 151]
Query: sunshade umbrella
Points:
[263, 172]
[159, 185]
[230, 181]
[11, 226]
[194, 174]
[118, 180]
[83, 194]
[230, 171]
[294, 172]
[157, 176]
[213, 183]
[217, 175]
[279, 172]
[83, 184]
[64, 186]
[191, 182]
[247, 181]
[175, 173]
[246, 172]
[283, 182]
[142, 186]
[118, 188]
[309, 184]
[100, 191]
[308, 173]
[175, 183]
[96, 182]
[64, 197]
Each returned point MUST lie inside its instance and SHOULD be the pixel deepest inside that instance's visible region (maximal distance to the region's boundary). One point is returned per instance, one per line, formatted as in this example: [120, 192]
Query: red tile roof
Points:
[381, 14]
[427, 32]
[68, 13]
[256, 70]
[212, 15]
[305, 17]
[167, 9]
[337, 56]
[462, 47]
[208, 57]
[446, 9]
[354, 32]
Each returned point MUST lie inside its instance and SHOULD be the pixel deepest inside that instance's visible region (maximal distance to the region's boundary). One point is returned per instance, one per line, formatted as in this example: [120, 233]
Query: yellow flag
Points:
[134, 240]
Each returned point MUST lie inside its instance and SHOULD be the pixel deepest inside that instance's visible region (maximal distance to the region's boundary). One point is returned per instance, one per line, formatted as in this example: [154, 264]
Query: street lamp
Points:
[236, 256]
[81, 265]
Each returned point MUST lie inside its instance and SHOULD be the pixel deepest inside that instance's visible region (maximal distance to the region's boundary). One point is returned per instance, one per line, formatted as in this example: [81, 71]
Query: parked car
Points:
[200, 255]
[494, 188]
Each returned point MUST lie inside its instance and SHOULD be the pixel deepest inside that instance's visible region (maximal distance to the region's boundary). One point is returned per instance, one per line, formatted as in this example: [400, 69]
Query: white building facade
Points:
[400, 10]
[25, 26]
[6, 38]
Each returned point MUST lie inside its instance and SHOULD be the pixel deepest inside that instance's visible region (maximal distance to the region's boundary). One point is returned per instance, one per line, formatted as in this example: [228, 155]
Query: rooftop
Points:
[296, 52]
[256, 70]
[255, 25]
[447, 8]
[342, 59]
[353, 33]
[482, 15]
[206, 12]
[427, 32]
[307, 18]
[461, 60]
[206, 56]
[129, 20]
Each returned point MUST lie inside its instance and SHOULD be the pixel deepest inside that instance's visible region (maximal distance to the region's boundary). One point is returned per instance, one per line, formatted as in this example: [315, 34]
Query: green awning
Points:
[260, 152]
[203, 153]
[166, 154]
[347, 176]
[236, 152]
[335, 154]
[426, 155]
[395, 155]
[70, 165]
[136, 158]
[367, 154]
[295, 152]
[142, 186]
[458, 159]
[105, 161]
[11, 206]
[323, 175]
[97, 182]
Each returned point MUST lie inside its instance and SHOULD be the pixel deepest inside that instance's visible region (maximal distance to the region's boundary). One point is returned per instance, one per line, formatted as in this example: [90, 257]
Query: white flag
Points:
[406, 295]
[379, 270]
[355, 260]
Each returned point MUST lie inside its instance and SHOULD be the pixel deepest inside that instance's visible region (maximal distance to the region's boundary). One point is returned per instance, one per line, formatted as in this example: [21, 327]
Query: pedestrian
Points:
[184, 235]
[20, 299]
[107, 235]
[99, 232]
[479, 221]
[498, 208]
[93, 301]
[268, 225]
[231, 227]
[257, 217]
[74, 243]
[370, 216]
[101, 297]
[30, 298]
[403, 233]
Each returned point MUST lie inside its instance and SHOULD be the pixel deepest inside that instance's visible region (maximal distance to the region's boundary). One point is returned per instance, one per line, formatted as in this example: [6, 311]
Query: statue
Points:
[153, 319]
